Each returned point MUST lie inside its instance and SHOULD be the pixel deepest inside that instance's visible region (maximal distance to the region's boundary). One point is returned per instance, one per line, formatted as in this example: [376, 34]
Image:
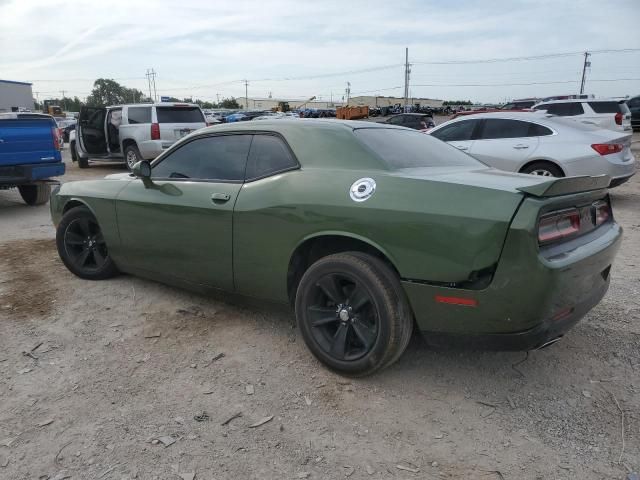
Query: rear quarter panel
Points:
[429, 230]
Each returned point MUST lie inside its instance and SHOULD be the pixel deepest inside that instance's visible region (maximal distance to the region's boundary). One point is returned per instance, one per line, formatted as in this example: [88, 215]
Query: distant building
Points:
[15, 96]
[272, 103]
[379, 101]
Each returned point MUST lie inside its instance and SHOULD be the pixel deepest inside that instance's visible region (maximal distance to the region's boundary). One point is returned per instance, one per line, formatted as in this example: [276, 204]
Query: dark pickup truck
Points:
[29, 155]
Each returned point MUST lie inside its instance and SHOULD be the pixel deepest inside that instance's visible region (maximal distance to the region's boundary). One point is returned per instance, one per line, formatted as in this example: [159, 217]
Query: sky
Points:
[301, 48]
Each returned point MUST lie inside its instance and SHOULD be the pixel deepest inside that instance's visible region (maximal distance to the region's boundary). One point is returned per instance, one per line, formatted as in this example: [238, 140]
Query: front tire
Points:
[82, 247]
[352, 313]
[132, 156]
[74, 154]
[35, 194]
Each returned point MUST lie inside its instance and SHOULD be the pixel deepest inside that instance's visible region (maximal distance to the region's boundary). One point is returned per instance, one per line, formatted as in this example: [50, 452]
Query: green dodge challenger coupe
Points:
[364, 229]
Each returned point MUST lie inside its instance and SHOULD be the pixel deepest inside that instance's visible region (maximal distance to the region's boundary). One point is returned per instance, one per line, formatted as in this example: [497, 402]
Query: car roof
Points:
[413, 114]
[508, 114]
[16, 115]
[581, 100]
[156, 104]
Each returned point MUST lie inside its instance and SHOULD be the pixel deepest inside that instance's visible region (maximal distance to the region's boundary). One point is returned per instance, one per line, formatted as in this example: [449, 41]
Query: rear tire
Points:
[352, 313]
[35, 194]
[543, 169]
[81, 245]
[83, 162]
[74, 154]
[131, 156]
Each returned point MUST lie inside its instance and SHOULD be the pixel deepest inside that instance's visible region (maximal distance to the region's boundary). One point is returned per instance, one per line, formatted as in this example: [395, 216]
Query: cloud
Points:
[192, 43]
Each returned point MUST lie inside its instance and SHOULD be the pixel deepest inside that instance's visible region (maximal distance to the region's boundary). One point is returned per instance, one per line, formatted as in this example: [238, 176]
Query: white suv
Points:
[131, 133]
[605, 113]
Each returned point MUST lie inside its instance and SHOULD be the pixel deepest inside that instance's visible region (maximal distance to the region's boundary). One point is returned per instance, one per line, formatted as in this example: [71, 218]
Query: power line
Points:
[531, 57]
[520, 84]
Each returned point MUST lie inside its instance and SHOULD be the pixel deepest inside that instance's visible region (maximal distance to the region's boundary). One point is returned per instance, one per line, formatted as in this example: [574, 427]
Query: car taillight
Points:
[558, 225]
[601, 212]
[155, 131]
[607, 148]
[618, 118]
[55, 133]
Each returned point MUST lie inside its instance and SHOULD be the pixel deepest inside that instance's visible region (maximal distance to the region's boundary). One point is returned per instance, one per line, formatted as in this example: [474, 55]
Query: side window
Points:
[221, 158]
[567, 109]
[399, 120]
[502, 128]
[268, 155]
[456, 132]
[139, 115]
[536, 130]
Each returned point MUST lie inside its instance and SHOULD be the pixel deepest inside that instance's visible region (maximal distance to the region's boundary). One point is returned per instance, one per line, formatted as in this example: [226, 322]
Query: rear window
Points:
[179, 115]
[605, 107]
[139, 115]
[409, 149]
[568, 109]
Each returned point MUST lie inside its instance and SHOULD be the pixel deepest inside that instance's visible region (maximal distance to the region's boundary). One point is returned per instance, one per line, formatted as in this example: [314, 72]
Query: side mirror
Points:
[142, 169]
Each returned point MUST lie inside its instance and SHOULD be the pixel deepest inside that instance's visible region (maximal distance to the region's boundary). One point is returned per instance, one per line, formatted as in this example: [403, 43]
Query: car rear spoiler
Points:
[567, 185]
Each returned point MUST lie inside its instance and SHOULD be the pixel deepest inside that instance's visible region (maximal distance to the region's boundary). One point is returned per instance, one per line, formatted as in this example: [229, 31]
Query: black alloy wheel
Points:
[343, 318]
[353, 313]
[82, 247]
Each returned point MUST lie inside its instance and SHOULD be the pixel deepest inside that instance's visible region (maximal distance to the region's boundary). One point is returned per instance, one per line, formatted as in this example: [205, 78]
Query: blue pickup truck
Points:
[29, 155]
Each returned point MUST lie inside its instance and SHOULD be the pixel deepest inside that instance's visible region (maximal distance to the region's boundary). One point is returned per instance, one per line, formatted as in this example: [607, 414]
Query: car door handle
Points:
[220, 197]
[520, 146]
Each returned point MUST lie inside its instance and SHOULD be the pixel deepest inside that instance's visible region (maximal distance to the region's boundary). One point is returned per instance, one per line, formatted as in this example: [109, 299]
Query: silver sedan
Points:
[541, 144]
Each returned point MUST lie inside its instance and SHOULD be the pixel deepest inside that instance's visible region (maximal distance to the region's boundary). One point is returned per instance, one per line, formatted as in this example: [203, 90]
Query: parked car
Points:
[538, 144]
[634, 107]
[364, 228]
[416, 121]
[522, 104]
[29, 155]
[611, 114]
[134, 132]
[66, 125]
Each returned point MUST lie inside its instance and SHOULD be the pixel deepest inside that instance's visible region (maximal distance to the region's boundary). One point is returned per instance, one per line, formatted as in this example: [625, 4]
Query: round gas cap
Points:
[362, 189]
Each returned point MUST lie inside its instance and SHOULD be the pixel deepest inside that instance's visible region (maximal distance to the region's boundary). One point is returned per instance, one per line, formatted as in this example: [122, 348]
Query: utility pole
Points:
[586, 64]
[64, 102]
[407, 71]
[246, 94]
[348, 93]
[218, 98]
[148, 75]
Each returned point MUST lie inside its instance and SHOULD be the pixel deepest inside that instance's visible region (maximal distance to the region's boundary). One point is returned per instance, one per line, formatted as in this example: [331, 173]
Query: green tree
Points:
[109, 92]
[228, 103]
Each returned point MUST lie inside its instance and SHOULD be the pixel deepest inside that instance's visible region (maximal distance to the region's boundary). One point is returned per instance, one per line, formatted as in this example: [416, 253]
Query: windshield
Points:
[179, 115]
[400, 148]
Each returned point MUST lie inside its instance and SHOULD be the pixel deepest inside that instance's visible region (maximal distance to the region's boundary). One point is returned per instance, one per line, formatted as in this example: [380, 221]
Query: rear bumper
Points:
[533, 299]
[547, 331]
[150, 149]
[22, 174]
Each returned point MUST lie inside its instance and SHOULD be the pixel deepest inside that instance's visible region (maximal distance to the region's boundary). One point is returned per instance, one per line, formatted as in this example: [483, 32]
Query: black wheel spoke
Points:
[365, 333]
[332, 289]
[358, 298]
[98, 257]
[99, 238]
[322, 315]
[73, 238]
[83, 223]
[339, 344]
[81, 259]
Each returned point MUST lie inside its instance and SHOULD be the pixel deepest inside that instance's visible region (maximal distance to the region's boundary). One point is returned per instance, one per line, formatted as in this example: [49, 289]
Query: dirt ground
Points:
[128, 378]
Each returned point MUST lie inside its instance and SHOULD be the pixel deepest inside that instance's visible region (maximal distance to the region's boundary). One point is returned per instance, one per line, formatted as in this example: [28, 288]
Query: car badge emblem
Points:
[362, 189]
